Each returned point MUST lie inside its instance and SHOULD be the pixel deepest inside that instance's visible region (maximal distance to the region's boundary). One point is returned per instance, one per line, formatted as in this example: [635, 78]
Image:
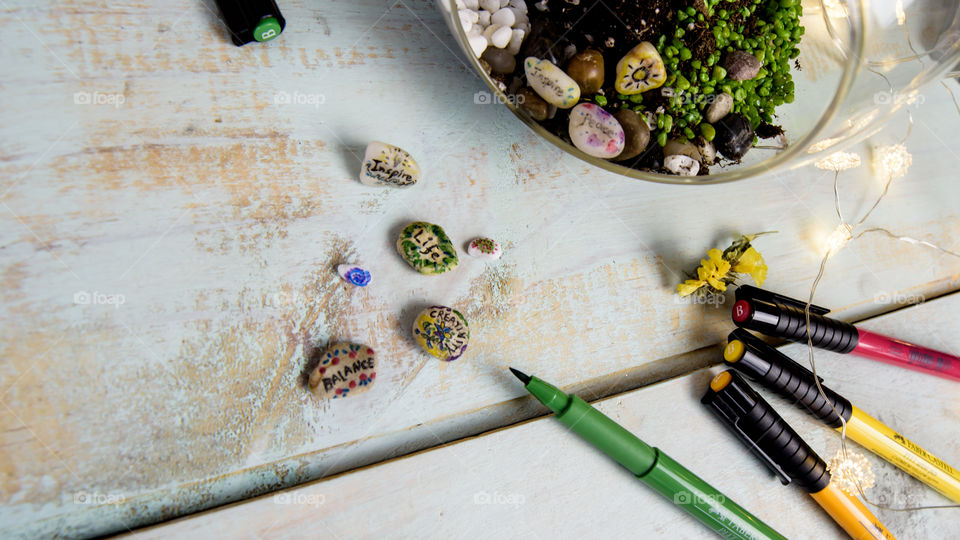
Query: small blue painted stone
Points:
[354, 274]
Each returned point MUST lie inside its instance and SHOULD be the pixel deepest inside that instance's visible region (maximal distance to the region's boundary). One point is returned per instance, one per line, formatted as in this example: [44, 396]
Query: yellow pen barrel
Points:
[851, 514]
[904, 453]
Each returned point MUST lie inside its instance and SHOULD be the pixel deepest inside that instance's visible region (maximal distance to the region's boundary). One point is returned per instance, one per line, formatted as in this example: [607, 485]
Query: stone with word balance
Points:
[344, 369]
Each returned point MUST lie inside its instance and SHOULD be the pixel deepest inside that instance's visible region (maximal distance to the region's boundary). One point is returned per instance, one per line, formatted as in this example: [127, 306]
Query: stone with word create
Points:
[344, 369]
[442, 332]
[354, 275]
[640, 70]
[427, 248]
[484, 248]
[553, 85]
[595, 131]
[387, 165]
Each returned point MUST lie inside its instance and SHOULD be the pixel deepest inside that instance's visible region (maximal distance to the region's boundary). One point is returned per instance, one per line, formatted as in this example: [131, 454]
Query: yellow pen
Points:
[749, 355]
[772, 440]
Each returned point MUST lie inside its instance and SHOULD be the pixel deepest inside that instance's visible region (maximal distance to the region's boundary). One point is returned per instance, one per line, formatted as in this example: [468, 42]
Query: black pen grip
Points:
[825, 333]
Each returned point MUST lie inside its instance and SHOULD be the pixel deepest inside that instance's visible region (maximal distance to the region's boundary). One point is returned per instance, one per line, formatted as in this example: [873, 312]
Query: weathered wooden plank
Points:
[536, 479]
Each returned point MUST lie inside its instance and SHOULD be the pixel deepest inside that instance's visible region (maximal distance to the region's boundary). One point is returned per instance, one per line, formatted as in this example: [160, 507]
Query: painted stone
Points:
[595, 131]
[354, 275]
[553, 85]
[345, 369]
[484, 248]
[386, 165]
[442, 332]
[427, 248]
[640, 70]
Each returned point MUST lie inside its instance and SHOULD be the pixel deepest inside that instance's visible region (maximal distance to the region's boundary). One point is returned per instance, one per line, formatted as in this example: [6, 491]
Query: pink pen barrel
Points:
[908, 355]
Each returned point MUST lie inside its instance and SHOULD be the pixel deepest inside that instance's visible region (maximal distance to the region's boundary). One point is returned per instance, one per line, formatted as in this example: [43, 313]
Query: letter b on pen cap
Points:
[251, 20]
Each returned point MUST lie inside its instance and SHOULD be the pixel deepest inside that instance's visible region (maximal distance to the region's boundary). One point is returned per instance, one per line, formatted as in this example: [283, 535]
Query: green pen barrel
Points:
[660, 472]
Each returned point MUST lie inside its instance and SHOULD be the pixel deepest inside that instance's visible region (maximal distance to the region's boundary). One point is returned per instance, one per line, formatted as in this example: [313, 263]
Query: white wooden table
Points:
[173, 208]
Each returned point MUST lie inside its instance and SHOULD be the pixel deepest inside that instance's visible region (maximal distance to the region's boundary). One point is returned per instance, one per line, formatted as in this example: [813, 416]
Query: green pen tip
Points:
[524, 378]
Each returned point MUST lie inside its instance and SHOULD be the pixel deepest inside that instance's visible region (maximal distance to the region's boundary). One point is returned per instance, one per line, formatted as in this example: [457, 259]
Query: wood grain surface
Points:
[538, 480]
[173, 209]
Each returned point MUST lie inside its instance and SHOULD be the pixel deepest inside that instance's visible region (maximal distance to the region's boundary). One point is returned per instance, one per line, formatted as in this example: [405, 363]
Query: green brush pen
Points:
[656, 469]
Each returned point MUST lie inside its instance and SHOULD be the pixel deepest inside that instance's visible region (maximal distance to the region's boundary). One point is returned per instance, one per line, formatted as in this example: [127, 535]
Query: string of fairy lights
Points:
[851, 470]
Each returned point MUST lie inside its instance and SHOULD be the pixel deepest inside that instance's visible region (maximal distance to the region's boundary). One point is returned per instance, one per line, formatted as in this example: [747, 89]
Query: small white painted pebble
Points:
[387, 165]
[485, 248]
[504, 17]
[519, 5]
[682, 165]
[497, 35]
[551, 83]
[465, 21]
[595, 131]
[490, 5]
[471, 4]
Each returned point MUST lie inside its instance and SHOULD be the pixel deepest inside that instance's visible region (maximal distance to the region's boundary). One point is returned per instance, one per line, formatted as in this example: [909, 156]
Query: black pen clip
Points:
[749, 292]
[726, 412]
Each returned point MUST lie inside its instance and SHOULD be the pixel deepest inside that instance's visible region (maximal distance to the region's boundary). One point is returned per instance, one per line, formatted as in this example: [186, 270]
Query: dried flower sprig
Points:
[722, 268]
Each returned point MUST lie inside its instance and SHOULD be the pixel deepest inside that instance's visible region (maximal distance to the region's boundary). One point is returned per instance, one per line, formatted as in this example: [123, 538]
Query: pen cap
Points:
[767, 435]
[781, 316]
[251, 20]
[751, 356]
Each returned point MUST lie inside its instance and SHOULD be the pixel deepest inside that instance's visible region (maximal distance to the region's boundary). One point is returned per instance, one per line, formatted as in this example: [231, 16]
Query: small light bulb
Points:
[839, 161]
[839, 238]
[891, 162]
[851, 474]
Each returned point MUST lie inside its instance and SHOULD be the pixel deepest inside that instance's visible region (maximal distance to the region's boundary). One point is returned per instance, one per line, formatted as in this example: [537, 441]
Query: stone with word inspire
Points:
[595, 131]
[427, 248]
[387, 165]
[354, 275]
[344, 369]
[554, 86]
[442, 332]
[640, 70]
[484, 248]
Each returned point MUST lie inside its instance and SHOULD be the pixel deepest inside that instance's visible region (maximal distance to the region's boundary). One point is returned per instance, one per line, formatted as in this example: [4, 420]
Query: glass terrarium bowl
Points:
[861, 61]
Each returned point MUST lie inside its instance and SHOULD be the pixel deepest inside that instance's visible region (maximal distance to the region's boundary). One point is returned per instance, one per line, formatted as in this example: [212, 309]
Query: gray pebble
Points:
[742, 66]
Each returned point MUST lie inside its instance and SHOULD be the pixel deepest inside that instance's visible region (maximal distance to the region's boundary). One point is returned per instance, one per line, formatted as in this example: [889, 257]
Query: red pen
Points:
[783, 317]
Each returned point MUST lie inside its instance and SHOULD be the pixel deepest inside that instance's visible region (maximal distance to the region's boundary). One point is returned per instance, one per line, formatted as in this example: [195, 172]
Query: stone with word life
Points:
[553, 85]
[427, 248]
[354, 275]
[595, 131]
[640, 70]
[344, 369]
[484, 248]
[387, 165]
[741, 66]
[442, 332]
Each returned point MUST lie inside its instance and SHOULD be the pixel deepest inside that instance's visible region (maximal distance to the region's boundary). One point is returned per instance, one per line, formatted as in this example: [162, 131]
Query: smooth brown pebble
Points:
[675, 147]
[500, 60]
[536, 107]
[741, 66]
[586, 67]
[636, 132]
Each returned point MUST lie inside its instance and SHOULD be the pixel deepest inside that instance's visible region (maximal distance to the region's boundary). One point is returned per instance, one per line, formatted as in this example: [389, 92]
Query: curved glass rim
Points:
[851, 66]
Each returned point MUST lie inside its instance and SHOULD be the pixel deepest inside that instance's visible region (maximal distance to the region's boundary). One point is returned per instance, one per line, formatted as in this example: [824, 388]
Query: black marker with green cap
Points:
[251, 20]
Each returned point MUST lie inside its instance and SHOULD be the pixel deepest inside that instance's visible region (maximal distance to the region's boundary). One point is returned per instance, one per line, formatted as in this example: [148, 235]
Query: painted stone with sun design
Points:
[442, 332]
[427, 248]
[345, 369]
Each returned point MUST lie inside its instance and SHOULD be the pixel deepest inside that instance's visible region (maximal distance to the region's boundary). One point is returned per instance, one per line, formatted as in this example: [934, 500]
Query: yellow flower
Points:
[689, 287]
[711, 271]
[752, 263]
